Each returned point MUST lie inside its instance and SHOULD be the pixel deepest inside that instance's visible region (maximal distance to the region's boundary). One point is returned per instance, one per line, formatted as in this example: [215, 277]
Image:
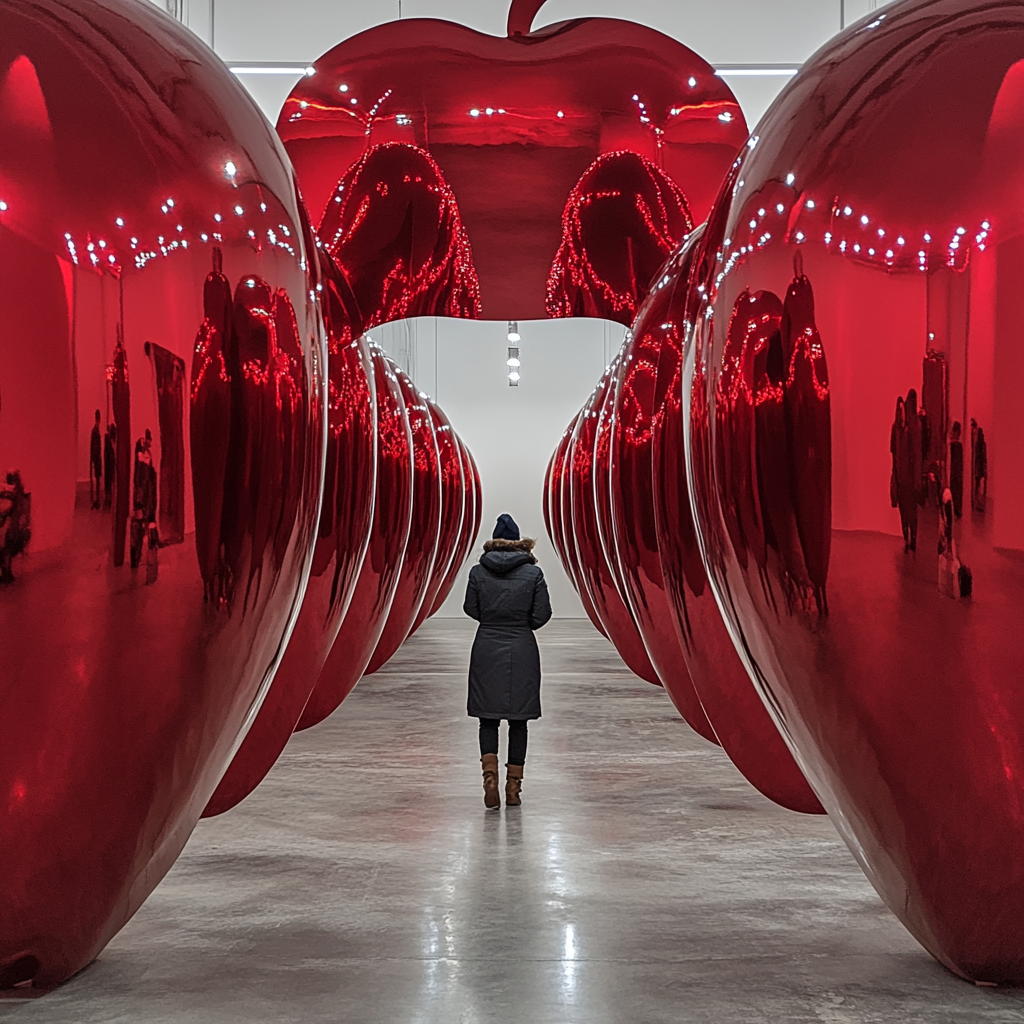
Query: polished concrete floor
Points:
[642, 881]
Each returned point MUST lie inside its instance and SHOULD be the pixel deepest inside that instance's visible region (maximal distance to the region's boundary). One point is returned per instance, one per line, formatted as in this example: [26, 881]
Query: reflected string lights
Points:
[161, 420]
[860, 598]
[621, 220]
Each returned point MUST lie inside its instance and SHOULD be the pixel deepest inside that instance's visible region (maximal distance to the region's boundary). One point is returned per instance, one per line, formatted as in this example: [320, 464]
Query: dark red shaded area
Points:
[473, 509]
[350, 472]
[741, 722]
[381, 569]
[620, 223]
[588, 504]
[876, 584]
[634, 541]
[424, 534]
[393, 228]
[513, 123]
[453, 526]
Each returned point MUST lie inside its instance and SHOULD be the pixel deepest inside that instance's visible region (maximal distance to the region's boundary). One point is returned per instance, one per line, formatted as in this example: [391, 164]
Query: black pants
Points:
[516, 738]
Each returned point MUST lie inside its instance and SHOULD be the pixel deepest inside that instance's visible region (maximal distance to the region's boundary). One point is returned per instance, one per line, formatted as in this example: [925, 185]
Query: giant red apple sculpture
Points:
[873, 572]
[379, 576]
[162, 485]
[512, 124]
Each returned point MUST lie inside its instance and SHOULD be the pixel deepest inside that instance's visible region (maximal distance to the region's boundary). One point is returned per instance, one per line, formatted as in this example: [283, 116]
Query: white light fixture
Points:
[512, 360]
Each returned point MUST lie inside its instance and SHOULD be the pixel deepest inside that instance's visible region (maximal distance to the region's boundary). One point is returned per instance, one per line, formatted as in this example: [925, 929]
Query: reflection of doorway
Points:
[170, 389]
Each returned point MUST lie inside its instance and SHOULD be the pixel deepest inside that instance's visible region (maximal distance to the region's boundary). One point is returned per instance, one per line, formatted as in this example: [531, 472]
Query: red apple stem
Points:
[521, 15]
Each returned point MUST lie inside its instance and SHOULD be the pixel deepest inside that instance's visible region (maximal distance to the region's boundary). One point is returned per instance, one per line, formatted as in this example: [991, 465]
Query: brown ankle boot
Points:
[490, 766]
[513, 784]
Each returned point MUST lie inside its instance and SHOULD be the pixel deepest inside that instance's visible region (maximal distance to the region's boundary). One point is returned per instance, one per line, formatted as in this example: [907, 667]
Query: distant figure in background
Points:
[15, 524]
[508, 596]
[956, 469]
[895, 431]
[95, 463]
[979, 467]
[109, 464]
[143, 498]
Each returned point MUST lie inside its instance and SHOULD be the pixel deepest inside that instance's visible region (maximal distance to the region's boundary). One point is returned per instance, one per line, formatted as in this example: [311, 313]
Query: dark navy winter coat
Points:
[507, 595]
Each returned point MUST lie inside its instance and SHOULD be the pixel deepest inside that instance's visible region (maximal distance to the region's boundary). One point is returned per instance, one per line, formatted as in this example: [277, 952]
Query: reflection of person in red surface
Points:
[754, 323]
[956, 468]
[809, 422]
[15, 524]
[775, 467]
[213, 366]
[95, 463]
[907, 468]
[109, 464]
[143, 499]
[898, 423]
[979, 467]
[290, 410]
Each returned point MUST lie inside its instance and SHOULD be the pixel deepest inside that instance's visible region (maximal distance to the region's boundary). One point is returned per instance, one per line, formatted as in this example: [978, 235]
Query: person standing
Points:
[508, 596]
[95, 463]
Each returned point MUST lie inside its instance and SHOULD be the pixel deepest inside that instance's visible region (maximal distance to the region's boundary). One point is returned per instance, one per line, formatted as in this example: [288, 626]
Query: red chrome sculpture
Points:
[858, 355]
[350, 471]
[453, 506]
[740, 719]
[633, 544]
[160, 502]
[393, 228]
[594, 574]
[512, 123]
[425, 532]
[621, 221]
[378, 579]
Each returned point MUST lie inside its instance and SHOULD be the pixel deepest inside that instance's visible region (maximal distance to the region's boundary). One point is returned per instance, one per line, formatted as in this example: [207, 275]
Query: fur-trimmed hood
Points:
[502, 556]
[526, 544]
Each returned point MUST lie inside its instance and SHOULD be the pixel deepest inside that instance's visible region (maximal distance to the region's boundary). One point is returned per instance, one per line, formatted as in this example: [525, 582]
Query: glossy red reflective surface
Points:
[453, 508]
[875, 577]
[571, 549]
[470, 524]
[392, 226]
[588, 474]
[350, 471]
[152, 273]
[736, 712]
[424, 534]
[553, 497]
[513, 123]
[633, 540]
[628, 634]
[621, 221]
[375, 588]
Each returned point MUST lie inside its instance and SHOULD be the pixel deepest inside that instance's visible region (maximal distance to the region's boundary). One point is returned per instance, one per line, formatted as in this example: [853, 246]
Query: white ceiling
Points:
[733, 32]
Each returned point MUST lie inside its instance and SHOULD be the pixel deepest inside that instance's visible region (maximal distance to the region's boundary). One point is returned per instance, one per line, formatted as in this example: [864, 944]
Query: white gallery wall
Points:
[755, 44]
[511, 431]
